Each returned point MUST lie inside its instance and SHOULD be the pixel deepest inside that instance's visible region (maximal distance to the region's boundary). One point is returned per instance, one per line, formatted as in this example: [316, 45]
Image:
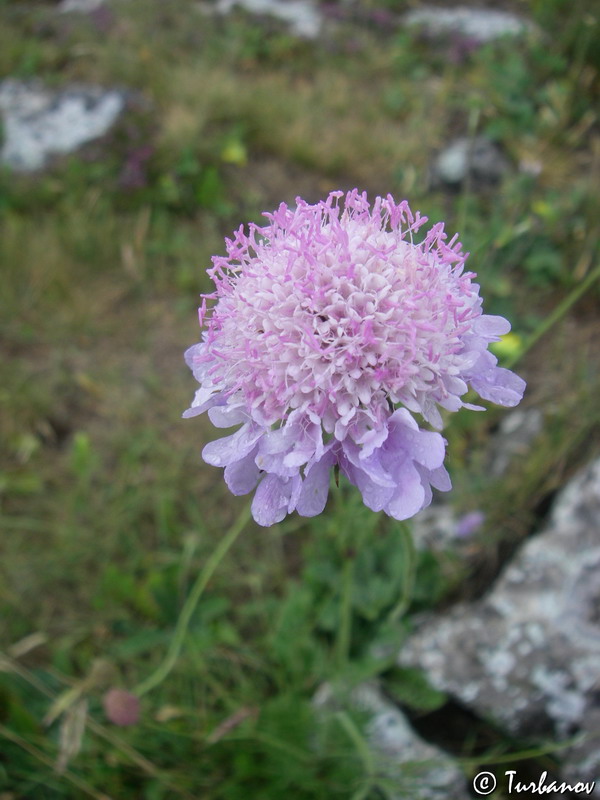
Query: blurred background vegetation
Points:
[106, 510]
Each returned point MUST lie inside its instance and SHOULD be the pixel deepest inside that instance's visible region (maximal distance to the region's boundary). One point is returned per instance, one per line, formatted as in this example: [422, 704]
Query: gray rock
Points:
[301, 15]
[514, 438]
[413, 768]
[528, 654]
[439, 527]
[435, 527]
[84, 6]
[38, 123]
[478, 158]
[481, 24]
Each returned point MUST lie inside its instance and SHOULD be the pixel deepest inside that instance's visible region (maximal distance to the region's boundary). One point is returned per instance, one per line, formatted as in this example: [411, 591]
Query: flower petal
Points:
[227, 416]
[315, 487]
[232, 448]
[204, 399]
[270, 503]
[500, 386]
[440, 479]
[242, 476]
[370, 466]
[489, 325]
[374, 495]
[409, 497]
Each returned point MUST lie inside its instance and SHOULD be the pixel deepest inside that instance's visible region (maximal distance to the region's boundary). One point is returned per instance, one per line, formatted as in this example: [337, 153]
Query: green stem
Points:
[359, 742]
[558, 313]
[409, 564]
[190, 604]
[344, 631]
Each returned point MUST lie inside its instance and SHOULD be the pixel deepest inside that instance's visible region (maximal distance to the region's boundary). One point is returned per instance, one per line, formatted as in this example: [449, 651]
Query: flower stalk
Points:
[345, 627]
[409, 562]
[191, 603]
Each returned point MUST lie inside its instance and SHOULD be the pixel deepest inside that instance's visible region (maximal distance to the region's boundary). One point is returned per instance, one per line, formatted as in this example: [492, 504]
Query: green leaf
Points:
[409, 687]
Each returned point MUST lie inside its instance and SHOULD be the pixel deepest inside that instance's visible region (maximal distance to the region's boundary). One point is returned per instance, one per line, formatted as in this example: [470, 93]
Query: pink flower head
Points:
[330, 326]
[121, 707]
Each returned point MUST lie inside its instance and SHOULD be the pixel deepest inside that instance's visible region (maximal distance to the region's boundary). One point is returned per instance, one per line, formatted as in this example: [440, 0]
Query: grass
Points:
[108, 513]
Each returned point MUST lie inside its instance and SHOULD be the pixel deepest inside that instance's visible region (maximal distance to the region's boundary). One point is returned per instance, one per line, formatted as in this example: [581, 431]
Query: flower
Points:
[121, 707]
[331, 328]
[469, 523]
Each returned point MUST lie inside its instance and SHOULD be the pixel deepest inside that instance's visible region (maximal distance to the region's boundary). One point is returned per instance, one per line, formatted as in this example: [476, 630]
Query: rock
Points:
[528, 654]
[514, 438]
[85, 6]
[418, 770]
[39, 123]
[481, 24]
[435, 527]
[439, 527]
[478, 158]
[301, 15]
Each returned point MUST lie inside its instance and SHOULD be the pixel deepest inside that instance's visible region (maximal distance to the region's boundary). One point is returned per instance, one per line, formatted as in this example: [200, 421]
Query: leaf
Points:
[139, 644]
[100, 674]
[72, 728]
[408, 686]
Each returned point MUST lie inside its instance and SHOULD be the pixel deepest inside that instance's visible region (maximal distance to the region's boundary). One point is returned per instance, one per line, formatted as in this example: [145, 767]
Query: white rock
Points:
[517, 432]
[531, 647]
[416, 768]
[39, 123]
[480, 158]
[85, 6]
[483, 24]
[301, 15]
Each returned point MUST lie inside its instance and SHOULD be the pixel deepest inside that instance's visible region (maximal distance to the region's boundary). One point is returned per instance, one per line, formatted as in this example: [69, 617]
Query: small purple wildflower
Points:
[469, 524]
[134, 171]
[461, 47]
[330, 326]
[102, 18]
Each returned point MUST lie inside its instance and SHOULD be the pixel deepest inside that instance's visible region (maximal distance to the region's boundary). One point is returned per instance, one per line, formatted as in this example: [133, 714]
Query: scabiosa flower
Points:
[330, 326]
